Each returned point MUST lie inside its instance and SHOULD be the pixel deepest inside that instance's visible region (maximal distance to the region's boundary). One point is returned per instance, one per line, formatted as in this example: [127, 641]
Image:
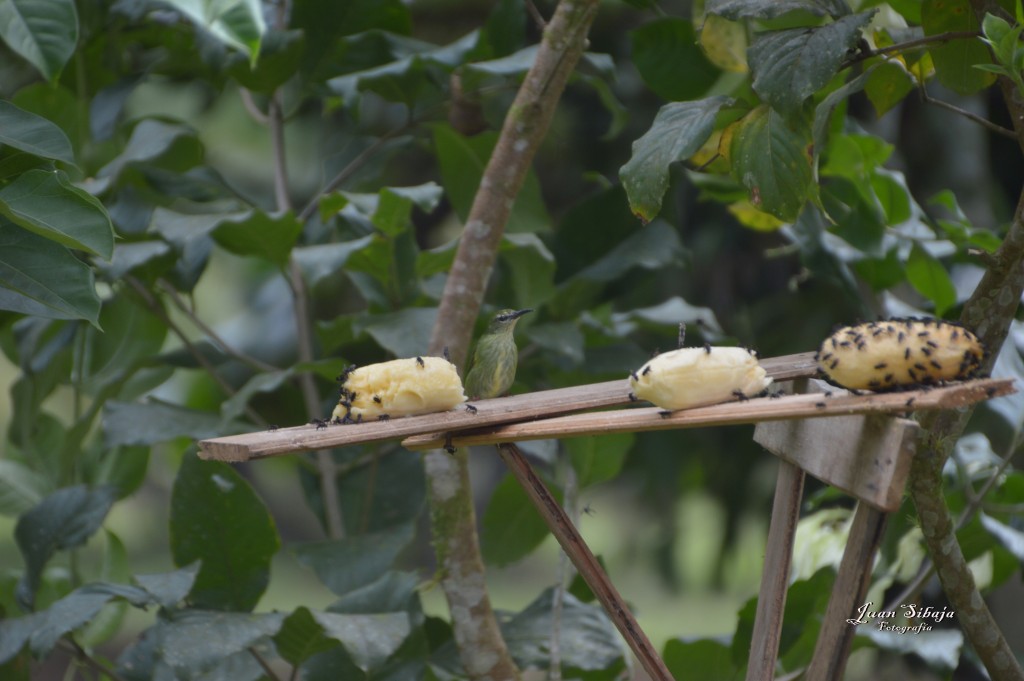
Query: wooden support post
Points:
[836, 635]
[771, 603]
[583, 558]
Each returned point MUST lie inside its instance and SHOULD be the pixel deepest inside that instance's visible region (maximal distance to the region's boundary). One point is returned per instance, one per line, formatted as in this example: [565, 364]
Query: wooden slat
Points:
[771, 600]
[787, 407]
[525, 407]
[835, 640]
[866, 456]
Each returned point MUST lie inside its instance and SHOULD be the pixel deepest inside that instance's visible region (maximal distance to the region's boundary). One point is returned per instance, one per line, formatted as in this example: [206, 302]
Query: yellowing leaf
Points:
[755, 219]
[725, 43]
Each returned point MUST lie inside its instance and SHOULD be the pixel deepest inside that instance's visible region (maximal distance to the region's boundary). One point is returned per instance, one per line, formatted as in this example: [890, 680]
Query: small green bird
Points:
[496, 357]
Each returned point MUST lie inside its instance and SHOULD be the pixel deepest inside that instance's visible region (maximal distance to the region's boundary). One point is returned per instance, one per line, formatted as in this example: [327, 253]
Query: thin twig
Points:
[351, 168]
[156, 309]
[251, 108]
[72, 646]
[581, 556]
[304, 339]
[535, 14]
[983, 122]
[263, 663]
[241, 356]
[909, 45]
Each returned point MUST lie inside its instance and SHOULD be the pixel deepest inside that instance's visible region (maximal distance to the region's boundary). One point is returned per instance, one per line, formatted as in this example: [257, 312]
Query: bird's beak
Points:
[519, 313]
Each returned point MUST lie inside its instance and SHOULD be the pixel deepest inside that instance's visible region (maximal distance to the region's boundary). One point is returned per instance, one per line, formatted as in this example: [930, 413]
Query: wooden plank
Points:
[866, 456]
[529, 406]
[771, 601]
[849, 591]
[788, 407]
[583, 558]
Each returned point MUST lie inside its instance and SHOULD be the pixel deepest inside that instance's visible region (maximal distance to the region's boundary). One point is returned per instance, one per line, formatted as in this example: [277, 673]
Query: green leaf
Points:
[772, 159]
[152, 140]
[1012, 539]
[322, 260]
[41, 278]
[403, 333]
[789, 66]
[128, 423]
[462, 161]
[369, 639]
[49, 205]
[588, 639]
[238, 23]
[393, 591]
[78, 608]
[270, 381]
[678, 131]
[21, 488]
[217, 518]
[512, 528]
[564, 339]
[702, 660]
[63, 520]
[345, 565]
[168, 589]
[301, 637]
[199, 644]
[770, 9]
[598, 459]
[929, 277]
[666, 54]
[394, 208]
[130, 257]
[20, 129]
[260, 234]
[531, 268]
[131, 336]
[859, 220]
[652, 247]
[823, 112]
[887, 86]
[955, 60]
[44, 32]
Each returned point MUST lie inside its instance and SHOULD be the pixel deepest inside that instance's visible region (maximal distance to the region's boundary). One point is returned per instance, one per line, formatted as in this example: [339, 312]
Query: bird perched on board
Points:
[496, 357]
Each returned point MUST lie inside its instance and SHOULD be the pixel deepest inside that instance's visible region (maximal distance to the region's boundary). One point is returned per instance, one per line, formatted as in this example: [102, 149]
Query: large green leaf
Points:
[238, 23]
[369, 639]
[666, 54]
[462, 161]
[346, 565]
[63, 520]
[44, 32]
[771, 157]
[131, 336]
[21, 487]
[769, 9]
[150, 141]
[652, 247]
[597, 459]
[40, 277]
[531, 269]
[588, 639]
[128, 423]
[790, 66]
[678, 131]
[20, 129]
[955, 60]
[301, 636]
[168, 589]
[217, 518]
[512, 527]
[929, 277]
[49, 205]
[260, 234]
[403, 333]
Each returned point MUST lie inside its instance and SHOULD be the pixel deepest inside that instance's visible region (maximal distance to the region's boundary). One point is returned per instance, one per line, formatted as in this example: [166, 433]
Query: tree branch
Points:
[980, 120]
[304, 338]
[482, 650]
[925, 41]
[989, 312]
